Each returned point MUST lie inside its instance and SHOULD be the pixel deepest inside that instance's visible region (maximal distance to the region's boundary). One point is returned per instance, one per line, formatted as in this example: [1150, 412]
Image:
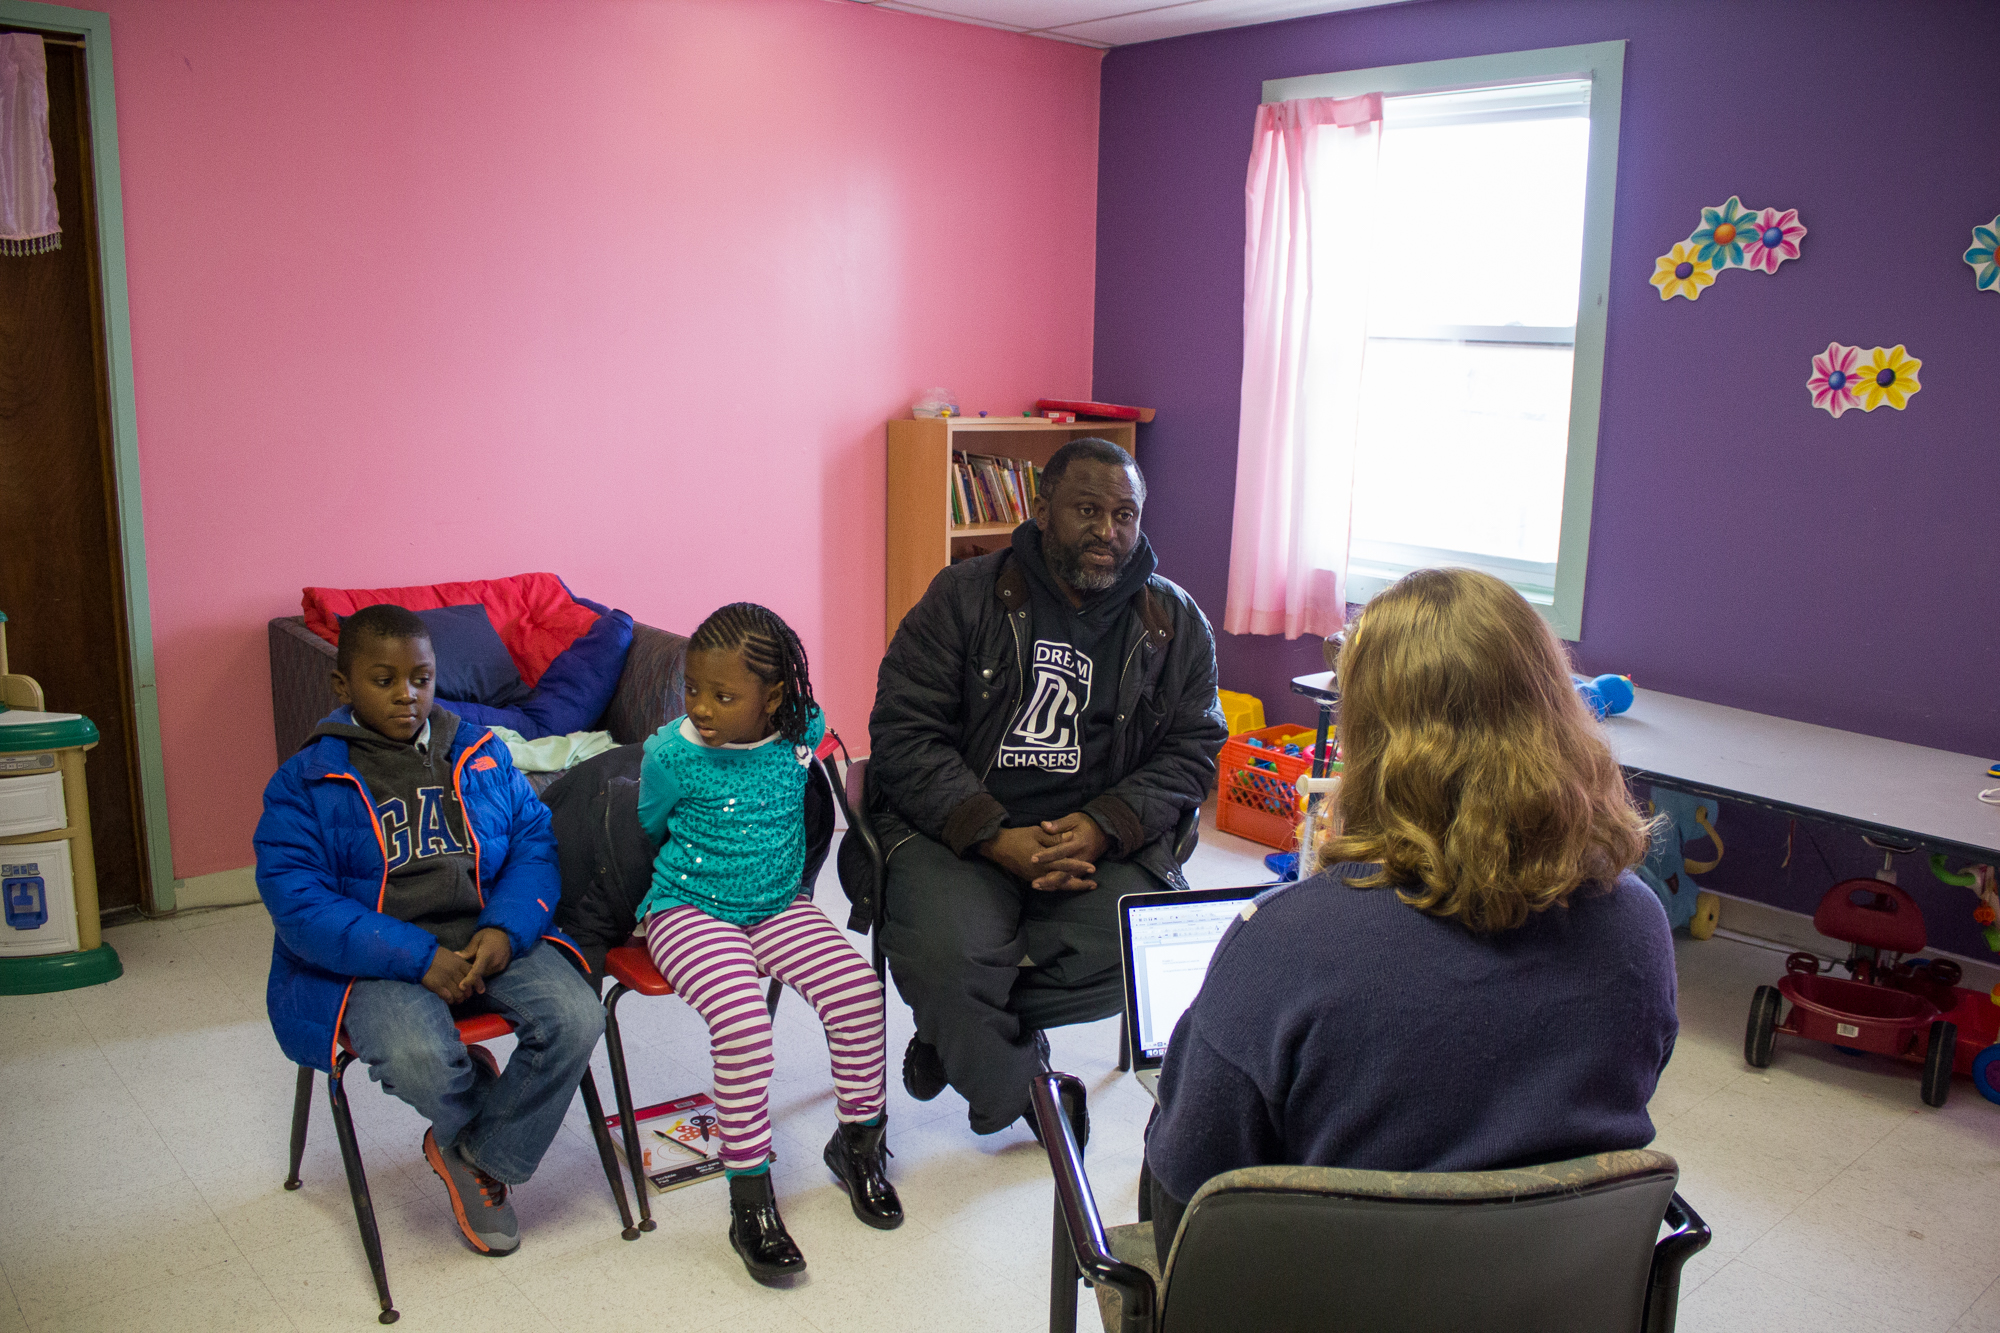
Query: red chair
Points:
[471, 1031]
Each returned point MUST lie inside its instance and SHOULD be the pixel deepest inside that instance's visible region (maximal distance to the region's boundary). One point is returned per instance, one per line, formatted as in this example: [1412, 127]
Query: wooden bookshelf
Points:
[921, 537]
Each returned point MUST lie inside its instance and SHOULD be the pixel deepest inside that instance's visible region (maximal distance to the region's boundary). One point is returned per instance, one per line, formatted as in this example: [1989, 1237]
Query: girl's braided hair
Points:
[772, 652]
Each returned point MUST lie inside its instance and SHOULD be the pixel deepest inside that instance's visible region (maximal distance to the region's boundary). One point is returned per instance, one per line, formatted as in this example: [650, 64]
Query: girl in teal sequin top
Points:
[723, 791]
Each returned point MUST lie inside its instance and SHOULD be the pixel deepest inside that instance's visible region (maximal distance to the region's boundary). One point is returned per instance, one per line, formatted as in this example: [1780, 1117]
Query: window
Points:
[1476, 438]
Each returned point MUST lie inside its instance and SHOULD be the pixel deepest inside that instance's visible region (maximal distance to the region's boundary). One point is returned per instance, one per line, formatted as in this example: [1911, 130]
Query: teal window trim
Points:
[1603, 63]
[95, 30]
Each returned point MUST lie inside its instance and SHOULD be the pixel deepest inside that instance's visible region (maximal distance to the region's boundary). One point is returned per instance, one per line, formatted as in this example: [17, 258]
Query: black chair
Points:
[1571, 1245]
[471, 1031]
[864, 874]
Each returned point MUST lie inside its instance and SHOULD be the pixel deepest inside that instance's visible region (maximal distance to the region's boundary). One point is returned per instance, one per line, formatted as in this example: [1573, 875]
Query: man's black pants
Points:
[956, 933]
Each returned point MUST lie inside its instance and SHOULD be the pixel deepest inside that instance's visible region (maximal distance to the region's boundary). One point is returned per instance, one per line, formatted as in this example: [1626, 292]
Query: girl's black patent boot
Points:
[757, 1233]
[855, 1154]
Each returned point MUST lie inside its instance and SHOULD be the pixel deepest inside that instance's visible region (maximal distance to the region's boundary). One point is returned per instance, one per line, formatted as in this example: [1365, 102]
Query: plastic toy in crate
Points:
[1257, 796]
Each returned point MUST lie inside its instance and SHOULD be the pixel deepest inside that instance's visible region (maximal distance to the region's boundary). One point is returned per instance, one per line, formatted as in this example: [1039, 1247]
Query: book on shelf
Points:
[680, 1142]
[986, 489]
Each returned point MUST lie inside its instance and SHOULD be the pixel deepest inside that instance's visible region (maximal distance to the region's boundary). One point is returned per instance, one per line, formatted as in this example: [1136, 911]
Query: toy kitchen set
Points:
[49, 936]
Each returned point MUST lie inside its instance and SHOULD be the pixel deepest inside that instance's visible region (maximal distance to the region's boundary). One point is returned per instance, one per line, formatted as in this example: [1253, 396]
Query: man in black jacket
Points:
[1043, 719]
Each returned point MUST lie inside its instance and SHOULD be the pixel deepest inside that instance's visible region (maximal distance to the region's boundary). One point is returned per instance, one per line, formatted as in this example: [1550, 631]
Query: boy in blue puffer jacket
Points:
[410, 873]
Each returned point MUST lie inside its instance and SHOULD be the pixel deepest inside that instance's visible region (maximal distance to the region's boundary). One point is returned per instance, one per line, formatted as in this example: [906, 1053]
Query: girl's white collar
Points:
[694, 737]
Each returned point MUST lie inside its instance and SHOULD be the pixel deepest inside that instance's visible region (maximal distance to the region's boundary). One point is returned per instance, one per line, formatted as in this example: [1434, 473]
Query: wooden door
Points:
[62, 579]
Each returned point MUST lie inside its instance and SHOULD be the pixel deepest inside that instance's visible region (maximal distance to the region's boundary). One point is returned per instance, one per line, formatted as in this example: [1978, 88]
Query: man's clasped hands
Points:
[1056, 854]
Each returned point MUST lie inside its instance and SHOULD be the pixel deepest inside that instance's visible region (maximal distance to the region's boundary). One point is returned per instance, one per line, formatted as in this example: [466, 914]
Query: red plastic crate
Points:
[1262, 804]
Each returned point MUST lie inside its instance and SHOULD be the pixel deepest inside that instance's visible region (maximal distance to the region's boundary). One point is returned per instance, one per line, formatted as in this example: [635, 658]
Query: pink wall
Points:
[622, 289]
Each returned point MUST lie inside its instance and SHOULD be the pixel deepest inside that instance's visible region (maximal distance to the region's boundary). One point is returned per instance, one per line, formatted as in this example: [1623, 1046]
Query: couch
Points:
[648, 694]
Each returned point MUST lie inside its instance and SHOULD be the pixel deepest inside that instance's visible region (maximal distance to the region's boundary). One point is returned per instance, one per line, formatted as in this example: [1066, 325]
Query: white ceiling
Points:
[1103, 23]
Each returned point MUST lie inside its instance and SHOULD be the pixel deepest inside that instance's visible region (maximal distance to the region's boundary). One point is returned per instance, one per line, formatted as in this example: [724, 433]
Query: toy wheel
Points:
[1985, 1077]
[1937, 1062]
[1707, 916]
[1759, 1035]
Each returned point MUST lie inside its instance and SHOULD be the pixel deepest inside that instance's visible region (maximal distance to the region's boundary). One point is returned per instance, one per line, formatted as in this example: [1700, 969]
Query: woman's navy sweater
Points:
[1341, 1027]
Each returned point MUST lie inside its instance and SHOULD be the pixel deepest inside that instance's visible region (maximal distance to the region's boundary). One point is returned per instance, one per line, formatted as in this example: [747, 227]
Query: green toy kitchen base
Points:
[41, 973]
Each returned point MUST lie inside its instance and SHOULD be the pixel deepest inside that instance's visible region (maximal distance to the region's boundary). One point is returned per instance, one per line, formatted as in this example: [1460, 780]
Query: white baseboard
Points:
[1761, 923]
[225, 888]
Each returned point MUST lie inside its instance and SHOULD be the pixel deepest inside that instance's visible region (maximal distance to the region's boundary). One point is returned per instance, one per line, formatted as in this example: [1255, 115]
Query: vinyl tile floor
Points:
[144, 1128]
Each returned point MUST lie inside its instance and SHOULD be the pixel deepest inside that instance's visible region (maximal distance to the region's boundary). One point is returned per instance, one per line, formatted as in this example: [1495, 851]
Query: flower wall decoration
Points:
[1832, 380]
[1887, 376]
[1679, 272]
[1721, 234]
[1844, 377]
[1983, 257]
[1772, 238]
[1730, 236]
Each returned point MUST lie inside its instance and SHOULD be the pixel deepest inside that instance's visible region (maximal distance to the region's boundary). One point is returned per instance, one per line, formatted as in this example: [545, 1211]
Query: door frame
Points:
[95, 30]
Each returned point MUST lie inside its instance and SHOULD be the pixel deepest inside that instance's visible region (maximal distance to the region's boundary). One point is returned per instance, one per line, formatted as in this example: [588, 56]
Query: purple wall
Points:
[1745, 548]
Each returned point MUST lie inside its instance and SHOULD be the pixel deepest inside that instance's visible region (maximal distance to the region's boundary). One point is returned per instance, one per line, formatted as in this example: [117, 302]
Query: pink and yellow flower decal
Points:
[1771, 238]
[1832, 380]
[1729, 236]
[1887, 376]
[1844, 377]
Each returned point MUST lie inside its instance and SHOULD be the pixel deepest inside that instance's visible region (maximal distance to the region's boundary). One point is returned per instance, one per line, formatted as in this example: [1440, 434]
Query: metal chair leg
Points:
[771, 998]
[357, 1185]
[594, 1108]
[621, 1090]
[1063, 1277]
[301, 1114]
[1124, 1047]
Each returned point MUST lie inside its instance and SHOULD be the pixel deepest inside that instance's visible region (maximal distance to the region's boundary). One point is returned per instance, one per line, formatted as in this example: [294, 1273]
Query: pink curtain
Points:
[28, 224]
[1311, 203]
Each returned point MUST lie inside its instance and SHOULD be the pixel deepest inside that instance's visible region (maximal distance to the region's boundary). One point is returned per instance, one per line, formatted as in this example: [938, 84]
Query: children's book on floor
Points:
[680, 1141]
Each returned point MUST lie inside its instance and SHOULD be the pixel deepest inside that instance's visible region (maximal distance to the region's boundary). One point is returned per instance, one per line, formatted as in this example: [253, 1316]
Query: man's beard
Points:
[1066, 563]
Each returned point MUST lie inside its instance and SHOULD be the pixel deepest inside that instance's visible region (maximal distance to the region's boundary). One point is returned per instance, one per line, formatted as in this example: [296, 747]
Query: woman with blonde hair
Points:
[1475, 980]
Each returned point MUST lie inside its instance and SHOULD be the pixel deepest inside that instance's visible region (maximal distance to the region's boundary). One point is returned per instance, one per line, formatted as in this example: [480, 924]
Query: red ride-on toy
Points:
[1890, 1007]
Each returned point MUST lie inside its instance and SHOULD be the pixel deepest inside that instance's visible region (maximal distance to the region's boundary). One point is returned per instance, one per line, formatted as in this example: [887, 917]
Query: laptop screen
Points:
[1169, 939]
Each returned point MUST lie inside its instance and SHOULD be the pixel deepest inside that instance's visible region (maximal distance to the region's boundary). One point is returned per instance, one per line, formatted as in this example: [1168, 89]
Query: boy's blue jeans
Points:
[503, 1125]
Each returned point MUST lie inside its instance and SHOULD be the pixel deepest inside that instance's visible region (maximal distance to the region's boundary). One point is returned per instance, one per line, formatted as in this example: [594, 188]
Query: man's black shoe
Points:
[923, 1070]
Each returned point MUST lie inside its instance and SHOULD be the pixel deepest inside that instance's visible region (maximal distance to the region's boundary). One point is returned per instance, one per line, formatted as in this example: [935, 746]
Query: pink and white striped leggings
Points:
[715, 966]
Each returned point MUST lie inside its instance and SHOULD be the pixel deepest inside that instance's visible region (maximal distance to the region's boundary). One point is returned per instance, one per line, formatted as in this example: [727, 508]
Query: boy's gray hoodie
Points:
[431, 878]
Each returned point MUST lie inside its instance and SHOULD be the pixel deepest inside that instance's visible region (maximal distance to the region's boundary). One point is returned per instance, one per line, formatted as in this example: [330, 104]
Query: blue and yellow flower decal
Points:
[1719, 240]
[1983, 257]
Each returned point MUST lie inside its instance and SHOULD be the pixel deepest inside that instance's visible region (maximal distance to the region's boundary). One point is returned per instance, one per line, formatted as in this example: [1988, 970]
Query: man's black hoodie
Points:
[1056, 753]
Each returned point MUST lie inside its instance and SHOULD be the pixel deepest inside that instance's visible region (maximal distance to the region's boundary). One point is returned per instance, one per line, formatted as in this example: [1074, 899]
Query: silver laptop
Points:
[1166, 940]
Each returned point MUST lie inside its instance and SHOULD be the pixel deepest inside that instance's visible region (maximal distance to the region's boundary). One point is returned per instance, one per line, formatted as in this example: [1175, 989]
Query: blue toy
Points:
[1605, 695]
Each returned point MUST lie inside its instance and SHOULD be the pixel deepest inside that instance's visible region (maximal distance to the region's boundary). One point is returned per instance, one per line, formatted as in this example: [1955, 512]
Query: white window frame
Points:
[1603, 63]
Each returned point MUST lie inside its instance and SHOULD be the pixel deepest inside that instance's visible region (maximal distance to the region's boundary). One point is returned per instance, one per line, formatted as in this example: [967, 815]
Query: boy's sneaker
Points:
[478, 1201]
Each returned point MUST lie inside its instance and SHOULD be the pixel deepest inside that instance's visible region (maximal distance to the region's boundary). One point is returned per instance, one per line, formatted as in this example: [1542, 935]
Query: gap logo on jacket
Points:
[1045, 735]
[433, 834]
